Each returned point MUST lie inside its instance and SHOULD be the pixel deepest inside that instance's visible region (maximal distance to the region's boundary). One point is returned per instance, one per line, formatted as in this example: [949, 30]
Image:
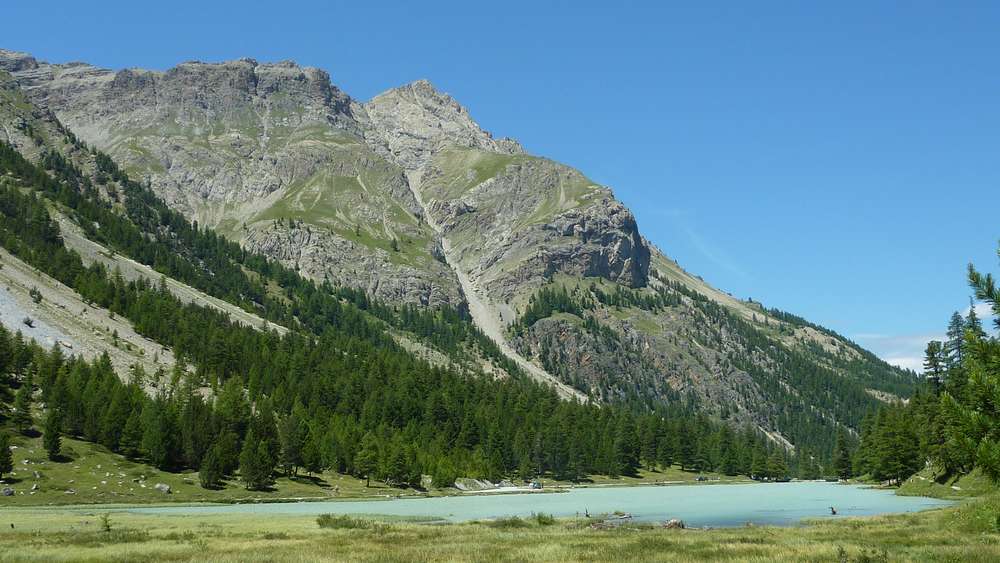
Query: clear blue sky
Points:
[841, 162]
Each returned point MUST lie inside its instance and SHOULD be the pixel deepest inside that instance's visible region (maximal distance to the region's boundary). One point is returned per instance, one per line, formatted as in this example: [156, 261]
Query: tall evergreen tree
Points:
[972, 322]
[777, 467]
[159, 438]
[22, 407]
[758, 465]
[955, 340]
[312, 455]
[842, 456]
[291, 435]
[255, 462]
[210, 471]
[367, 458]
[6, 459]
[131, 438]
[808, 468]
[935, 361]
[50, 434]
[227, 449]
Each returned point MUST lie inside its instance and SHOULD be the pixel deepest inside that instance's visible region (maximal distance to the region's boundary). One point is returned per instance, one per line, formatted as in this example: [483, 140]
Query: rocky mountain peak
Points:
[412, 123]
[14, 61]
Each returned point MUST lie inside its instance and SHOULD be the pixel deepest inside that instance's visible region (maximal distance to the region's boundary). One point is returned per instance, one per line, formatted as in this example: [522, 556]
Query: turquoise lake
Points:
[781, 504]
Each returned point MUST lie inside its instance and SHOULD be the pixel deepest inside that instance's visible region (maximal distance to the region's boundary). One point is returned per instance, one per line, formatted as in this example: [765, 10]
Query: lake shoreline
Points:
[766, 504]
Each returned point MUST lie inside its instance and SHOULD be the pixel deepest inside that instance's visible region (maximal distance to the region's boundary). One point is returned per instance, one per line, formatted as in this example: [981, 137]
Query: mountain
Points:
[187, 351]
[407, 199]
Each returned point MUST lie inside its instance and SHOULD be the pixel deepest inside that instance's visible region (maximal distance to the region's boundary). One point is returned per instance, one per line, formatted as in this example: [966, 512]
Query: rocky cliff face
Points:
[276, 156]
[408, 198]
[412, 123]
[268, 154]
[515, 221]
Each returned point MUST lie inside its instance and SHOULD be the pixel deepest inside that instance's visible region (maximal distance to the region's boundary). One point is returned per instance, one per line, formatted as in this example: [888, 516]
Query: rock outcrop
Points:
[409, 199]
[412, 123]
[241, 146]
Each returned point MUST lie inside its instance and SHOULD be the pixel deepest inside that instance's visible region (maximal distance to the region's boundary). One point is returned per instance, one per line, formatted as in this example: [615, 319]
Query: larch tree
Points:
[367, 458]
[50, 434]
[22, 408]
[6, 459]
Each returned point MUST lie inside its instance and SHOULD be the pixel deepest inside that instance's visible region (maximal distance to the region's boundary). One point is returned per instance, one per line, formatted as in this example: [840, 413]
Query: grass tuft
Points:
[344, 522]
[510, 522]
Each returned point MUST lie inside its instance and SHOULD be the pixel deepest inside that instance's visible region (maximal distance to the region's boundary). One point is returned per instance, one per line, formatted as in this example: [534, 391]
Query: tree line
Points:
[953, 421]
[337, 393]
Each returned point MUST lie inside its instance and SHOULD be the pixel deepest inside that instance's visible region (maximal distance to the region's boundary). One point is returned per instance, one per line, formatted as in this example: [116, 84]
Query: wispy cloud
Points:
[683, 220]
[903, 350]
[717, 255]
[916, 363]
[983, 310]
[907, 350]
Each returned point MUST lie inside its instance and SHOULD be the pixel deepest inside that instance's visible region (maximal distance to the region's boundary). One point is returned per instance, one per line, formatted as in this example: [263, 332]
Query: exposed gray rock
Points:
[13, 61]
[412, 123]
[411, 200]
[237, 145]
[163, 488]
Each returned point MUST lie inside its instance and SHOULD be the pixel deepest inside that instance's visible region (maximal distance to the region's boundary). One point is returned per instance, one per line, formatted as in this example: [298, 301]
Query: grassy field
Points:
[964, 533]
[98, 476]
[928, 484]
[40, 527]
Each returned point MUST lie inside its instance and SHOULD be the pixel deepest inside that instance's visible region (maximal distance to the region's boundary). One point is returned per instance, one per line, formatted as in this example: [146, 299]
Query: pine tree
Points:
[686, 449]
[758, 466]
[366, 460]
[292, 437]
[648, 440]
[896, 454]
[444, 474]
[972, 322]
[842, 456]
[934, 361]
[159, 438]
[210, 471]
[394, 469]
[971, 421]
[50, 434]
[956, 340]
[312, 455]
[777, 468]
[808, 468]
[227, 447]
[627, 445]
[6, 459]
[22, 408]
[131, 439]
[665, 453]
[255, 462]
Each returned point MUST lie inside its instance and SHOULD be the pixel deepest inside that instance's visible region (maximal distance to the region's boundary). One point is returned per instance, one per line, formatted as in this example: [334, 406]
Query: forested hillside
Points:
[435, 278]
[405, 199]
[335, 392]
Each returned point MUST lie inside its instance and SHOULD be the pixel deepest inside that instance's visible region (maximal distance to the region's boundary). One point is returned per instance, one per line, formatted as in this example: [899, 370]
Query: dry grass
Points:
[967, 532]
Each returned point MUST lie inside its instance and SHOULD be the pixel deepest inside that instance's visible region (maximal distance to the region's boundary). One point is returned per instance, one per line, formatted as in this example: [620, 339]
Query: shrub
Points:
[544, 519]
[344, 522]
[506, 523]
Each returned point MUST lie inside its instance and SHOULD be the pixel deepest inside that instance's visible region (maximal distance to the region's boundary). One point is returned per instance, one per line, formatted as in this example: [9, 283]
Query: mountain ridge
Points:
[407, 198]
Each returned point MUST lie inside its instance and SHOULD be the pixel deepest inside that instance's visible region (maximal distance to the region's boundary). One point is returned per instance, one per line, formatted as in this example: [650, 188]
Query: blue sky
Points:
[841, 162]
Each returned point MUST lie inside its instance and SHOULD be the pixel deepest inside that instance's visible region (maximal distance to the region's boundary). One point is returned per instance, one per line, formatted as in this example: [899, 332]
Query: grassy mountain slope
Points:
[285, 163]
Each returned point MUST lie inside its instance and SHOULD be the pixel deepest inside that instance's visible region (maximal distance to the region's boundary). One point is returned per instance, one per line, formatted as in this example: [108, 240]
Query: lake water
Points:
[779, 504]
